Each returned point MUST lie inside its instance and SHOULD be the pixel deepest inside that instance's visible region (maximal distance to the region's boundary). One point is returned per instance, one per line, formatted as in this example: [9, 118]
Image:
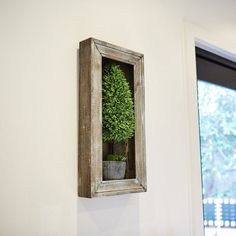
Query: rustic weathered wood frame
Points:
[90, 183]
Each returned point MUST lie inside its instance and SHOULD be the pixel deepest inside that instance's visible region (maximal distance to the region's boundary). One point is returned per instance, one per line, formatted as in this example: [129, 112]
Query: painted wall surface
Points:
[38, 120]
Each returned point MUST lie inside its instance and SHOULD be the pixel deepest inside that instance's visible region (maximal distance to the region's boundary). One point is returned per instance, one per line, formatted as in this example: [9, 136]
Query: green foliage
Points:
[217, 118]
[118, 120]
[114, 157]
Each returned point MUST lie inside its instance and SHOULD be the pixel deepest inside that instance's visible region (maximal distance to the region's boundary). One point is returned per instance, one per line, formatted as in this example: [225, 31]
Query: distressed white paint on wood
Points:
[90, 120]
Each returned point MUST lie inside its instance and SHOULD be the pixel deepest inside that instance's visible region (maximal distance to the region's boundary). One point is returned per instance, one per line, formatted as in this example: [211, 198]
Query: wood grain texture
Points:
[84, 162]
[96, 119]
[90, 120]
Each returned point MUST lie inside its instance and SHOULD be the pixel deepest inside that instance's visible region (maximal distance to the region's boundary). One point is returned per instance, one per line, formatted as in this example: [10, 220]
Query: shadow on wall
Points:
[109, 216]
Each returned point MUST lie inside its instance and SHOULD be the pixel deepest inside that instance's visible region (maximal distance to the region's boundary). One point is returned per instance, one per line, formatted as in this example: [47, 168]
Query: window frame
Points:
[213, 42]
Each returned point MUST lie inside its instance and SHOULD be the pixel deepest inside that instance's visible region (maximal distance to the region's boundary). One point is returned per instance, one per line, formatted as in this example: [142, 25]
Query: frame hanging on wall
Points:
[95, 57]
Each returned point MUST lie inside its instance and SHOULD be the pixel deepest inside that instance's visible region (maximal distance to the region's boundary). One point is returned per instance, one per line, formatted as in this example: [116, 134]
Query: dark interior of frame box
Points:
[118, 148]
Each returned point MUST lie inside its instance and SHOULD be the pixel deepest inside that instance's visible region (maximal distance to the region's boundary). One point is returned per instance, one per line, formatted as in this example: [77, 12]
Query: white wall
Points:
[38, 119]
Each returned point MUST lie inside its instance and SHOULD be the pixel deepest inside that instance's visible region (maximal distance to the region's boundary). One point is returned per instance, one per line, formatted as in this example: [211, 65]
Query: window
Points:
[217, 122]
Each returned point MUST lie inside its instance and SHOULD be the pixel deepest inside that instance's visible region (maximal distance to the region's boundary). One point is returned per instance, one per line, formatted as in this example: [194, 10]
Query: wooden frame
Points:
[90, 183]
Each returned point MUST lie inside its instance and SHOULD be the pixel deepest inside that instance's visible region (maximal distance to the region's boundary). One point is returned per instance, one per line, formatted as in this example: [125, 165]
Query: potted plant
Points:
[118, 119]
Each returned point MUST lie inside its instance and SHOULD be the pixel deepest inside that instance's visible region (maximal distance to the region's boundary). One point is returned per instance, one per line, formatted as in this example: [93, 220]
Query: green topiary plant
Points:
[117, 106]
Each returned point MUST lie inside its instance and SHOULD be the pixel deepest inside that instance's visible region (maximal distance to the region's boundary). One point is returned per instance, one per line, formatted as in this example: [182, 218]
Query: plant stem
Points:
[127, 157]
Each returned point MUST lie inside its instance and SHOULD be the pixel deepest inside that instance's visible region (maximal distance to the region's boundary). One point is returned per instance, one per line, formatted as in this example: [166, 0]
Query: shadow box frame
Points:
[90, 181]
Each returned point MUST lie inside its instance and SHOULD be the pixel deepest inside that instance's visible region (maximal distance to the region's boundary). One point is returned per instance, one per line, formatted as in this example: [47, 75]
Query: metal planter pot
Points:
[113, 170]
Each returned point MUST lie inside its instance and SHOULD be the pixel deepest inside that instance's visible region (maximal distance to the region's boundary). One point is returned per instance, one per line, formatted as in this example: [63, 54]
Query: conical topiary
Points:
[118, 119]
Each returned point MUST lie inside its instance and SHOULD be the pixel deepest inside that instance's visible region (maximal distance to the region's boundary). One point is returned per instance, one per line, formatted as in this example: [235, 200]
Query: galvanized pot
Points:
[113, 170]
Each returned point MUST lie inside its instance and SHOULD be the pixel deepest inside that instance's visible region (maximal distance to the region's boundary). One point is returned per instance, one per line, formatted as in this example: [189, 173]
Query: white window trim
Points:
[197, 36]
